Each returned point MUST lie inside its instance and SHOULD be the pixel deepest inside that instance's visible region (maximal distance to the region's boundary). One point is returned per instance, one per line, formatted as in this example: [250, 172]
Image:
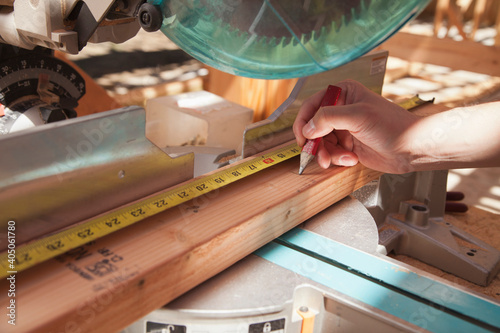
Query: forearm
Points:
[459, 138]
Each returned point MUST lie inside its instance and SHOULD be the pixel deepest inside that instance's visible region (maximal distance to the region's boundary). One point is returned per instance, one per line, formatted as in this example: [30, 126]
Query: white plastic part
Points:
[29, 118]
[196, 118]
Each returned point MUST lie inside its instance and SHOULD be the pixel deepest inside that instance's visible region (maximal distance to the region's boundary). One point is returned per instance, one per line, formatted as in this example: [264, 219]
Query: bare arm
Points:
[458, 138]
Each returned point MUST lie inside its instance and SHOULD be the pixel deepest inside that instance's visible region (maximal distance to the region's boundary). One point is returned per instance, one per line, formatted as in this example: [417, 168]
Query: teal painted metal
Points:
[393, 289]
[395, 275]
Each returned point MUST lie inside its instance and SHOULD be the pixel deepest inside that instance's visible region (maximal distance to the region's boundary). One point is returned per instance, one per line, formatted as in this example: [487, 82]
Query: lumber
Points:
[464, 55]
[108, 284]
[454, 16]
[262, 96]
[497, 28]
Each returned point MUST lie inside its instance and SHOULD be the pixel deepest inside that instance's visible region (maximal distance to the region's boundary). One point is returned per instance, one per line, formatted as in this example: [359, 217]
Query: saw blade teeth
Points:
[273, 41]
[306, 37]
[243, 35]
[319, 18]
[262, 39]
[285, 41]
[317, 34]
[355, 14]
[295, 41]
[336, 25]
[346, 19]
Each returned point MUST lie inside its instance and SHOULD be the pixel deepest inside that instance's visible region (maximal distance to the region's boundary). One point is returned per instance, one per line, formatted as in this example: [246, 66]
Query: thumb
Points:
[311, 131]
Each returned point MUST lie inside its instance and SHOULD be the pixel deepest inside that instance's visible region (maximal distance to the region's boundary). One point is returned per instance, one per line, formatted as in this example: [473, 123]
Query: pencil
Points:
[309, 150]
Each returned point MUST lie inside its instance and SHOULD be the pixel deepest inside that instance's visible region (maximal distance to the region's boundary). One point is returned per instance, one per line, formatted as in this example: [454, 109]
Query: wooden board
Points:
[108, 284]
[262, 96]
[463, 55]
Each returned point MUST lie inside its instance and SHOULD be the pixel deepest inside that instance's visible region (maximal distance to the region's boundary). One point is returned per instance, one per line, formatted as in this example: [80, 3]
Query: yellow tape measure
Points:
[51, 246]
[413, 102]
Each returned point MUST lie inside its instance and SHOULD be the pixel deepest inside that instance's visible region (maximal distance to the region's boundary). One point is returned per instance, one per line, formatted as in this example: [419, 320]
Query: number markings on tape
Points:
[46, 248]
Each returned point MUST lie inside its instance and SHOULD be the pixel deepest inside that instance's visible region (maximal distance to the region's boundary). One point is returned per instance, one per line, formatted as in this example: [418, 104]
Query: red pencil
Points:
[309, 150]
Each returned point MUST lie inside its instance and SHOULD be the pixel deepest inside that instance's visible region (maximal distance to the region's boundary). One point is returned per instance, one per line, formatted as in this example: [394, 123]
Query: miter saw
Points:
[262, 39]
[268, 39]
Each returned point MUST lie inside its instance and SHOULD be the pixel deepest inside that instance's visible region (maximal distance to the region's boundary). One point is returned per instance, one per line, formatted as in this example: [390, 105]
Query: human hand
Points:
[363, 127]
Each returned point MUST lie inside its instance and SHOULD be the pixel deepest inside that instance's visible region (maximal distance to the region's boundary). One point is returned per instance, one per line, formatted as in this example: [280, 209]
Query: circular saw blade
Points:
[275, 39]
[300, 20]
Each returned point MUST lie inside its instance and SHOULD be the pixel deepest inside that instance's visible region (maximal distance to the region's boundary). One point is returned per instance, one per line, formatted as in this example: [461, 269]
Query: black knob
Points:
[150, 17]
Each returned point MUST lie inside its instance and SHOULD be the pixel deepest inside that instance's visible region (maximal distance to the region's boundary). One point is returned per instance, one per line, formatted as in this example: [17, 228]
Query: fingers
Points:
[363, 126]
[349, 118]
[336, 149]
[313, 121]
[306, 112]
[329, 154]
[345, 140]
[339, 151]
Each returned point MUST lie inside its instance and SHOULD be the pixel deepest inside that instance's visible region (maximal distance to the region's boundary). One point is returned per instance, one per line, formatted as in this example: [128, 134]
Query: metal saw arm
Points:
[67, 25]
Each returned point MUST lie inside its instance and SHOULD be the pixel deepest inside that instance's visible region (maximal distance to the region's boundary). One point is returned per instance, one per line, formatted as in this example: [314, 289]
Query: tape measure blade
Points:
[51, 246]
